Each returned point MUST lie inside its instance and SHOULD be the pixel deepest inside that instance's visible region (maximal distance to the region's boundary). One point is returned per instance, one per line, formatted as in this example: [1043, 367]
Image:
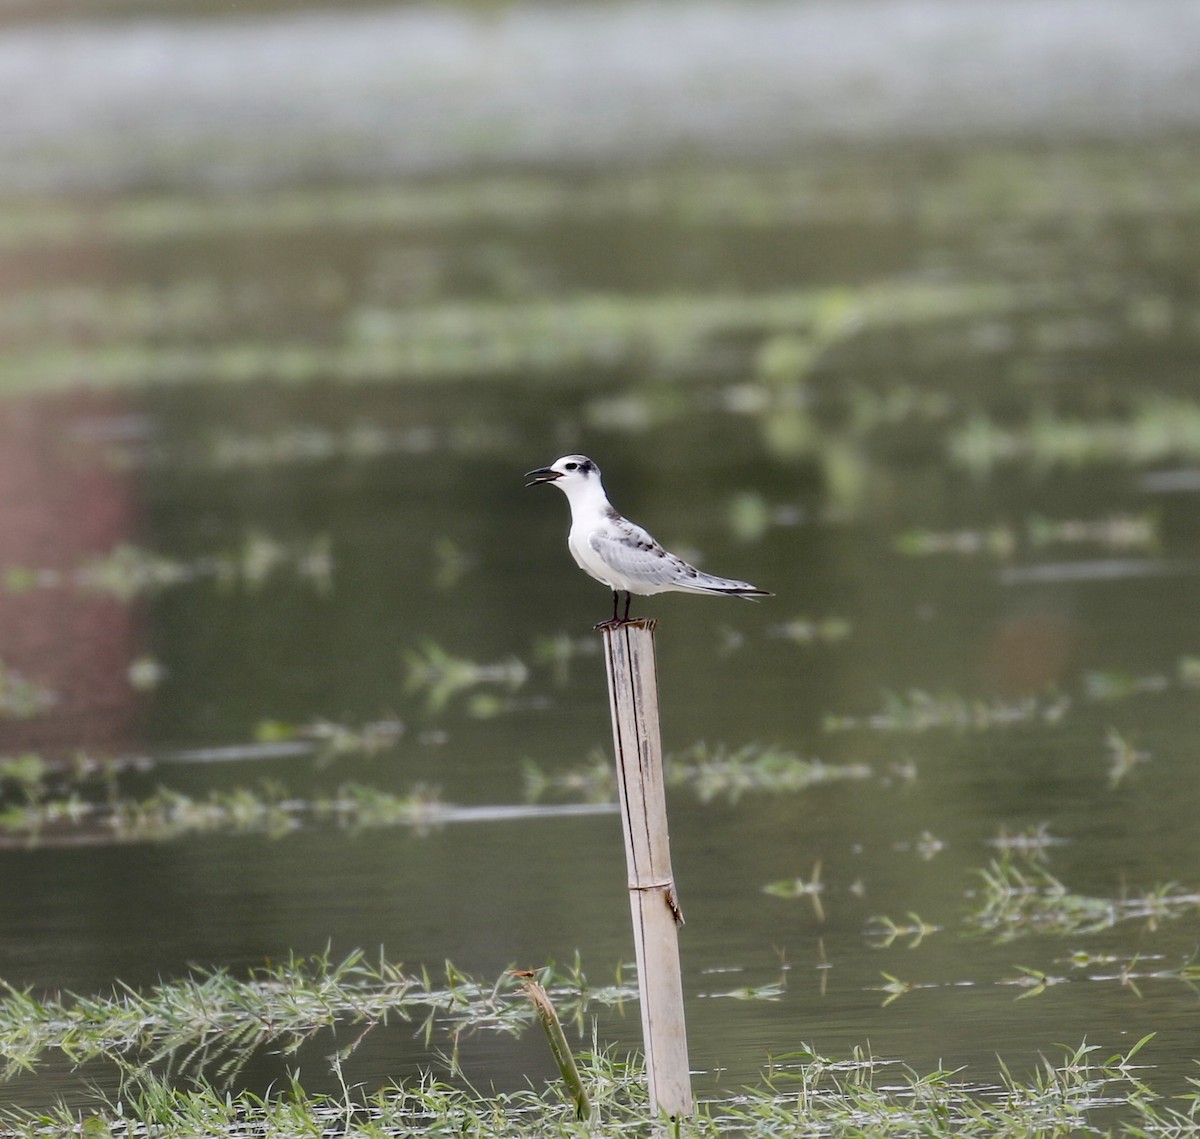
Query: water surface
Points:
[262, 456]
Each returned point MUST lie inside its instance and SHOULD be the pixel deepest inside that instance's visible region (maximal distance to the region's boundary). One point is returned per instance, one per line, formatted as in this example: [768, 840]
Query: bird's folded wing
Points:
[640, 559]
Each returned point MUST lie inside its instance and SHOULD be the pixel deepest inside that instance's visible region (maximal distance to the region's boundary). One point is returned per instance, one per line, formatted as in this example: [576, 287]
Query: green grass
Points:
[212, 1023]
[802, 1094]
[178, 1046]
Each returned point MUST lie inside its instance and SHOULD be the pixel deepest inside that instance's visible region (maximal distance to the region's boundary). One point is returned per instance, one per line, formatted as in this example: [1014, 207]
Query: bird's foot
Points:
[614, 623]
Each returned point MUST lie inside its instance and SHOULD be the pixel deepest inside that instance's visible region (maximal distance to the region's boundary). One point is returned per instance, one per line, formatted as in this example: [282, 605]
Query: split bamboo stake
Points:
[637, 741]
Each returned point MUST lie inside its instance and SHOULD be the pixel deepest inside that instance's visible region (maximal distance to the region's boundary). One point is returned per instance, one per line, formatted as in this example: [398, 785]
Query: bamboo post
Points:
[633, 697]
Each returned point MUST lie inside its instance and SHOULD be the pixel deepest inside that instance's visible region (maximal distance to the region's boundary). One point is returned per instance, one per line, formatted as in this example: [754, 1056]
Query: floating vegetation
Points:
[307, 443]
[1116, 532]
[927, 846]
[1006, 183]
[331, 741]
[130, 571]
[1110, 684]
[710, 771]
[919, 711]
[882, 932]
[812, 631]
[25, 772]
[539, 335]
[21, 698]
[1014, 902]
[1157, 429]
[594, 781]
[1031, 843]
[324, 740]
[560, 650]
[441, 677]
[1123, 757]
[999, 541]
[771, 991]
[896, 988]
[1033, 981]
[214, 1021]
[811, 888]
[145, 673]
[1128, 971]
[750, 516]
[717, 771]
[450, 563]
[268, 810]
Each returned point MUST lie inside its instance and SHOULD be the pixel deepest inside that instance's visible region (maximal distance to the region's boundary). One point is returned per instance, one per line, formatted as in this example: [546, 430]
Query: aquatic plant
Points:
[214, 1021]
[710, 771]
[1031, 843]
[20, 697]
[810, 631]
[128, 571]
[882, 931]
[1157, 428]
[1115, 532]
[332, 741]
[559, 651]
[1013, 902]
[442, 676]
[920, 711]
[268, 809]
[1123, 757]
[858, 1095]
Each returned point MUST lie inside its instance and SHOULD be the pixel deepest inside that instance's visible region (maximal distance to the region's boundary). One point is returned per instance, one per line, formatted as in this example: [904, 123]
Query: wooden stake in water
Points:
[633, 696]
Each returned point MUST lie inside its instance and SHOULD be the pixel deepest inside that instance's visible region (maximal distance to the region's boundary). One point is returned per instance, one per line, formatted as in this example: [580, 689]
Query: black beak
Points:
[542, 474]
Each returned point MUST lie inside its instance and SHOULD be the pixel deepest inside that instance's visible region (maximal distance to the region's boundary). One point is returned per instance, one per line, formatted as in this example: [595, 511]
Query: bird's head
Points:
[569, 473]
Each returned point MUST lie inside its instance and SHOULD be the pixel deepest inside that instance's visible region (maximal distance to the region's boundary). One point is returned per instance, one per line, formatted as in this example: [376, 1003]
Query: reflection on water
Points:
[65, 653]
[942, 402]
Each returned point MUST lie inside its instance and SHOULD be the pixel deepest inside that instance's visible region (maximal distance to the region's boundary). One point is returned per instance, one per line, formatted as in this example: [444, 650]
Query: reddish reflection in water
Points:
[61, 502]
[1030, 652]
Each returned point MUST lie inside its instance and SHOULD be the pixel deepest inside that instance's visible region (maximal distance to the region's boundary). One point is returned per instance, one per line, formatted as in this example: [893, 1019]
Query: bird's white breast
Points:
[588, 560]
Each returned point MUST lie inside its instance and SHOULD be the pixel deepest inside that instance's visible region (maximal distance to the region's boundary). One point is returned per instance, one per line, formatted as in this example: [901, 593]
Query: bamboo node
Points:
[669, 896]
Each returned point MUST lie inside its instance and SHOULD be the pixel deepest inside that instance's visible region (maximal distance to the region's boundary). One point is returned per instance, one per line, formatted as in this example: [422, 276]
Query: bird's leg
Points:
[615, 621]
[628, 599]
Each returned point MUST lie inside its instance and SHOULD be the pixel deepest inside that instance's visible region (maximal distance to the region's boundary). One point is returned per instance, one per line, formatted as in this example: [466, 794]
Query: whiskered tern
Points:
[619, 553]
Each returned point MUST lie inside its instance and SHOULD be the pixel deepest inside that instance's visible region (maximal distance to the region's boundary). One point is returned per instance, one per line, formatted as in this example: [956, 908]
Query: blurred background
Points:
[888, 306]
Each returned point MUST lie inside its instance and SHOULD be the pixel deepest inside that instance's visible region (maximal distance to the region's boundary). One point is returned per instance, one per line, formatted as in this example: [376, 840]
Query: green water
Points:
[943, 403]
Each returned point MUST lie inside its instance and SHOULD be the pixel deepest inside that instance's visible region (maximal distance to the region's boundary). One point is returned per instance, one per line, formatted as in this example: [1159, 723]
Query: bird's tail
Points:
[733, 588]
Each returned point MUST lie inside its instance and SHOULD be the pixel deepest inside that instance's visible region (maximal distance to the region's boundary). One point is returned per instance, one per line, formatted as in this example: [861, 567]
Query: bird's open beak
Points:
[542, 474]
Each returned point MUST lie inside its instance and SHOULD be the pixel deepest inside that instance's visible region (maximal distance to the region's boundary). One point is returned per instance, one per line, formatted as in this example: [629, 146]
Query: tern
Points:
[619, 553]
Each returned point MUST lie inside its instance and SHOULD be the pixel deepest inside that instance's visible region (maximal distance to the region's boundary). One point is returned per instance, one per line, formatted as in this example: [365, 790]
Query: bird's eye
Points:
[572, 466]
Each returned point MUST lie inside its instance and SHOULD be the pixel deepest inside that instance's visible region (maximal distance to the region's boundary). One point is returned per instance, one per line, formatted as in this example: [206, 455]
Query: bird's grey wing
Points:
[638, 557]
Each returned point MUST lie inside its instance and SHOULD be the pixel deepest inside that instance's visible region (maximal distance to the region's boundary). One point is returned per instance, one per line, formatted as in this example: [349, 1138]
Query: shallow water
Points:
[941, 400]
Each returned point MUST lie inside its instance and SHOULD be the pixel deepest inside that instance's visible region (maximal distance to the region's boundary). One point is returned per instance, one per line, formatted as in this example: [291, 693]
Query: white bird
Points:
[618, 553]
